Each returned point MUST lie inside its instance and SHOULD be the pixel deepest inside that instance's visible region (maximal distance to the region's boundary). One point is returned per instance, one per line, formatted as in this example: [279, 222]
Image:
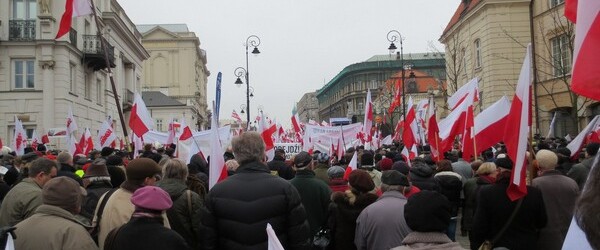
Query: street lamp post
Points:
[395, 36]
[251, 41]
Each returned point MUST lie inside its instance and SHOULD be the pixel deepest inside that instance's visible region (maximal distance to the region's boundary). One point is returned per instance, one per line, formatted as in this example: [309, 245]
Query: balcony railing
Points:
[94, 52]
[73, 37]
[21, 30]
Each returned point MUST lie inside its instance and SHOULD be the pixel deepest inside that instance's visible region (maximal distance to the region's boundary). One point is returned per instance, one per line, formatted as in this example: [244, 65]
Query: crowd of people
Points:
[105, 200]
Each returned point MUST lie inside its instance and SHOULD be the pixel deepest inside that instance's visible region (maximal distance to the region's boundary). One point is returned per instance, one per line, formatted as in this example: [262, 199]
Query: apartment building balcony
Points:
[94, 55]
[21, 30]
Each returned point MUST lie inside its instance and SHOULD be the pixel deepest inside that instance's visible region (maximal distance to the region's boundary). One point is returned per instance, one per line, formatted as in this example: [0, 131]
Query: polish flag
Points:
[86, 143]
[488, 123]
[398, 129]
[397, 99]
[72, 144]
[35, 140]
[20, 137]
[551, 129]
[235, 116]
[73, 8]
[461, 94]
[106, 135]
[576, 144]
[433, 131]
[468, 138]
[273, 241]
[517, 129]
[140, 120]
[172, 130]
[353, 165]
[266, 132]
[45, 139]
[368, 120]
[296, 123]
[454, 124]
[138, 144]
[71, 124]
[217, 169]
[585, 77]
[184, 144]
[387, 140]
[409, 134]
[186, 132]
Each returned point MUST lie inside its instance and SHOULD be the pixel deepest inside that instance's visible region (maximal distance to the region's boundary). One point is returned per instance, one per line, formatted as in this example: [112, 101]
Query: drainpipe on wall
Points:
[534, 64]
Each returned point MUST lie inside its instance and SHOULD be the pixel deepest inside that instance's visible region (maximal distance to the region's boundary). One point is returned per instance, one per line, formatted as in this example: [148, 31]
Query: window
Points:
[464, 60]
[477, 53]
[24, 74]
[99, 92]
[24, 9]
[554, 3]
[564, 123]
[159, 125]
[87, 86]
[561, 55]
[72, 79]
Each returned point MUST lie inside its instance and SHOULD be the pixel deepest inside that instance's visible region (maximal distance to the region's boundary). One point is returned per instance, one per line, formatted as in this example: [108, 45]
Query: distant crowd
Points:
[106, 200]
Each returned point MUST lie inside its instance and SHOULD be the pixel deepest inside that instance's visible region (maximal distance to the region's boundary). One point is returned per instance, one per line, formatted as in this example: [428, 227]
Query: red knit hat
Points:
[386, 164]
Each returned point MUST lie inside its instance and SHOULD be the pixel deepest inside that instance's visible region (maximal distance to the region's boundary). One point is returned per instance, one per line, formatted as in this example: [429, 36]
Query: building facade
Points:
[345, 94]
[41, 77]
[487, 39]
[553, 37]
[308, 108]
[177, 68]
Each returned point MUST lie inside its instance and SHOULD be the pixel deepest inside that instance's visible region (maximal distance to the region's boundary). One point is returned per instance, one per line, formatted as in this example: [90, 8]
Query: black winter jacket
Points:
[493, 210]
[239, 208]
[278, 166]
[421, 175]
[147, 234]
[94, 191]
[343, 212]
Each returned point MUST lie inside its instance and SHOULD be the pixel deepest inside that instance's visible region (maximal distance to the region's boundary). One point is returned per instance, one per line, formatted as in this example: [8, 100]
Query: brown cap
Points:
[361, 181]
[62, 192]
[98, 168]
[141, 168]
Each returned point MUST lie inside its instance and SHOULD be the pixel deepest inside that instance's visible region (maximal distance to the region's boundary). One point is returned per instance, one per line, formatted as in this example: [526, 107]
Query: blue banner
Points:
[218, 97]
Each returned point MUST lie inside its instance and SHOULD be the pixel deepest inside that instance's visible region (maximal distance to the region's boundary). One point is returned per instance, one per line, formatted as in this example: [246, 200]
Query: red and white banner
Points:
[35, 140]
[576, 144]
[19, 141]
[517, 129]
[489, 122]
[585, 76]
[353, 165]
[73, 8]
[106, 134]
[461, 94]
[433, 131]
[140, 120]
[266, 132]
[409, 134]
[71, 124]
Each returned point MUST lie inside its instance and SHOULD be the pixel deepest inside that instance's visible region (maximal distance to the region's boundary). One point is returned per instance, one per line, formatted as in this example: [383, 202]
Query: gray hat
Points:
[29, 157]
[394, 178]
[302, 159]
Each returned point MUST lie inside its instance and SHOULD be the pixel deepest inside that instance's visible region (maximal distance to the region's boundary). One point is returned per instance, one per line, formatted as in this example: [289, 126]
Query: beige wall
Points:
[177, 67]
[46, 105]
[503, 29]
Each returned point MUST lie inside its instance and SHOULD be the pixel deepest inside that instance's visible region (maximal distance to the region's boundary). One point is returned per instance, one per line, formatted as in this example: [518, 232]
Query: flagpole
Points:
[343, 140]
[437, 145]
[110, 76]
[474, 145]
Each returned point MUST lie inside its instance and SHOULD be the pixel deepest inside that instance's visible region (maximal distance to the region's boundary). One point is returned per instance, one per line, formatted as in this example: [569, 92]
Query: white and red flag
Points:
[353, 165]
[461, 94]
[184, 144]
[517, 129]
[296, 123]
[409, 134]
[266, 132]
[577, 143]
[468, 139]
[20, 138]
[217, 169]
[140, 120]
[455, 123]
[71, 124]
[433, 131]
[72, 144]
[106, 134]
[172, 130]
[35, 140]
[368, 120]
[86, 143]
[585, 77]
[236, 117]
[551, 129]
[488, 123]
[73, 8]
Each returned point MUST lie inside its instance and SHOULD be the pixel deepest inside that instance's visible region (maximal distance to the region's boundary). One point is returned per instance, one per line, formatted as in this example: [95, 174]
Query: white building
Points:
[40, 77]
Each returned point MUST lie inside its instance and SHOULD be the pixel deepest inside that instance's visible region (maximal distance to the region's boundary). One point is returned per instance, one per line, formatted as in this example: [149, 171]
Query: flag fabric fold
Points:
[489, 122]
[140, 120]
[73, 8]
[353, 165]
[217, 169]
[585, 77]
[71, 124]
[577, 143]
[517, 129]
[461, 94]
[433, 131]
[368, 119]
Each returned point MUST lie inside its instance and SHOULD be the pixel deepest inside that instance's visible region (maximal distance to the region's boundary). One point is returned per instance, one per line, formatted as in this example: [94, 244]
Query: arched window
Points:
[564, 123]
[477, 46]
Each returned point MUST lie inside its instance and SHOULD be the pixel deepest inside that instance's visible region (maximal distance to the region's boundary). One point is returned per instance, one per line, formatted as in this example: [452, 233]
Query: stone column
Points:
[48, 109]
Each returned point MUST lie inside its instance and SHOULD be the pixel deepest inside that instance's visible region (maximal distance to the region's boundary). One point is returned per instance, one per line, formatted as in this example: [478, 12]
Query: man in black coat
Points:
[494, 208]
[65, 160]
[278, 166]
[239, 208]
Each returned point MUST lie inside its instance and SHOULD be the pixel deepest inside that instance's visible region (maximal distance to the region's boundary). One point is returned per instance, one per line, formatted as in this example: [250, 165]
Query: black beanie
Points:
[505, 163]
[427, 211]
[366, 159]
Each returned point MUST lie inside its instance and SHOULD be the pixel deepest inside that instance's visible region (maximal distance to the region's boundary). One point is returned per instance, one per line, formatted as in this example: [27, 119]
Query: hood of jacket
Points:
[172, 186]
[422, 170]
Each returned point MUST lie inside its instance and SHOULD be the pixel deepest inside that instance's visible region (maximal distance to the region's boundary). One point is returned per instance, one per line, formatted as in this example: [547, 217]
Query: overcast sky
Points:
[304, 44]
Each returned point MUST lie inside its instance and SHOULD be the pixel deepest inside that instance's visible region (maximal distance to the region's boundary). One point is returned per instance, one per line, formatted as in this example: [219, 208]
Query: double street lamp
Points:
[395, 36]
[251, 41]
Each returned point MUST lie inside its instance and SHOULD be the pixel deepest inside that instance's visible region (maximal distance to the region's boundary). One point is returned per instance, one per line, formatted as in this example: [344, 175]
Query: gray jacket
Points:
[579, 172]
[381, 225]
